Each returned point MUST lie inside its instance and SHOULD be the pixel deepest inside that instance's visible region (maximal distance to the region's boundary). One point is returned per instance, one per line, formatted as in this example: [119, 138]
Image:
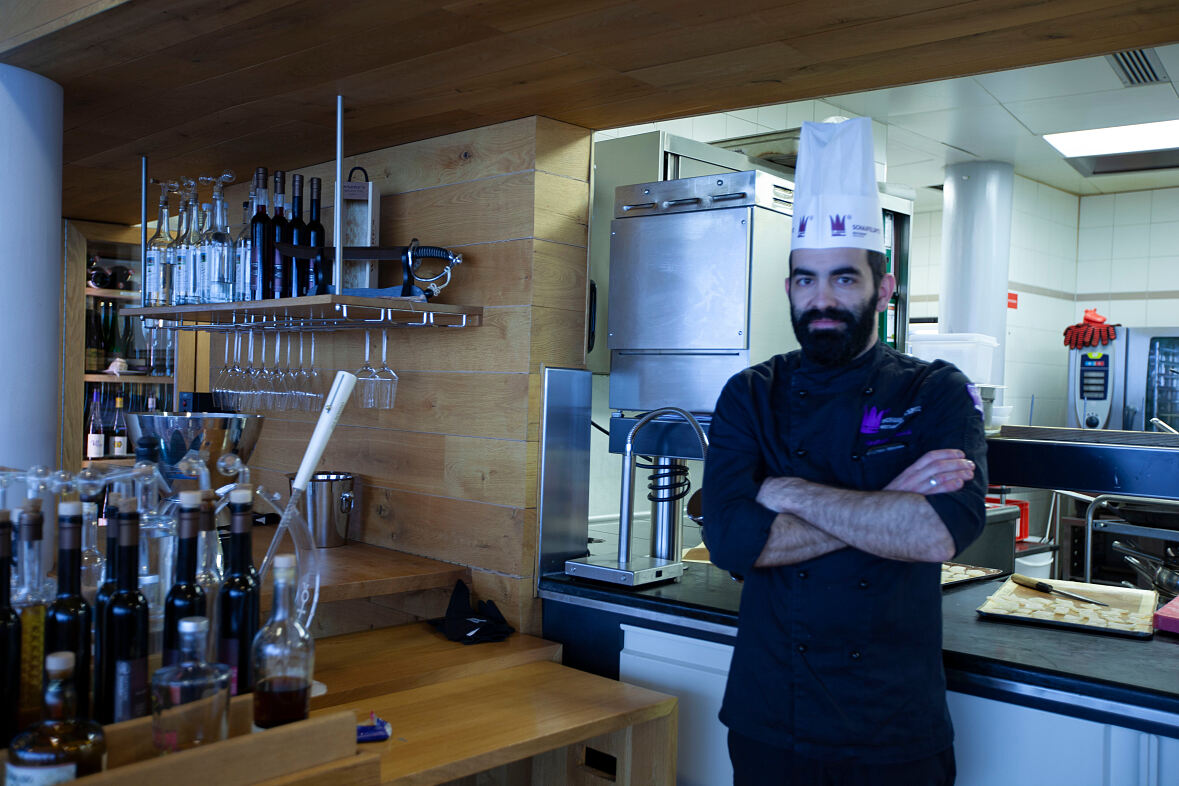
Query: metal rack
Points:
[313, 313]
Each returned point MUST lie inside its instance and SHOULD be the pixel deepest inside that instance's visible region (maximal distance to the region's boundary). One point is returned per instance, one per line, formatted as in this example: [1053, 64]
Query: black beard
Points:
[834, 347]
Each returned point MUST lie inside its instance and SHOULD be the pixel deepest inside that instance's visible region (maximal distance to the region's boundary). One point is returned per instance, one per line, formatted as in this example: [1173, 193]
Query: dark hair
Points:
[876, 263]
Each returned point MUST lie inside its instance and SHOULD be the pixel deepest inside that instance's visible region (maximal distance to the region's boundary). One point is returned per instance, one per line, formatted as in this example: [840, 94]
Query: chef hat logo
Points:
[836, 178]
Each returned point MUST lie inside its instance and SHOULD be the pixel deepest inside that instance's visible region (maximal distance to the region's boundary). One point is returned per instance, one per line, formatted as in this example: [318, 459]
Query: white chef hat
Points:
[836, 202]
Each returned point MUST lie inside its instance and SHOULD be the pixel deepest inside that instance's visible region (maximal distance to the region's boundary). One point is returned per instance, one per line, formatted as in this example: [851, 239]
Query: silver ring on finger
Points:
[933, 481]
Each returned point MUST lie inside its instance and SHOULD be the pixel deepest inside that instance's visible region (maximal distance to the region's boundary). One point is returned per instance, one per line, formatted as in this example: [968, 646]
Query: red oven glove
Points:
[1089, 332]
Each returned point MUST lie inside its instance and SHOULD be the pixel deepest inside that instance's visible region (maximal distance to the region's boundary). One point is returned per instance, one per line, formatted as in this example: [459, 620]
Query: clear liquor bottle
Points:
[157, 273]
[9, 639]
[95, 433]
[202, 275]
[65, 745]
[283, 656]
[190, 699]
[93, 562]
[238, 605]
[241, 249]
[30, 602]
[178, 254]
[69, 617]
[219, 248]
[186, 598]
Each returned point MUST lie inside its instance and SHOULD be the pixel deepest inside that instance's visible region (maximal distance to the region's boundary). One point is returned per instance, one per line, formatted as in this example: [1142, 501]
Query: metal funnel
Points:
[216, 433]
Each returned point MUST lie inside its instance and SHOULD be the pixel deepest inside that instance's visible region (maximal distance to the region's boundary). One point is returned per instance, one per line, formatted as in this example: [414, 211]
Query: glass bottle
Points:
[238, 605]
[210, 565]
[261, 243]
[283, 656]
[9, 639]
[65, 745]
[190, 700]
[93, 341]
[202, 275]
[196, 227]
[128, 342]
[30, 603]
[316, 238]
[93, 563]
[95, 433]
[106, 589]
[219, 247]
[299, 237]
[281, 229]
[68, 620]
[114, 339]
[157, 272]
[179, 253]
[186, 598]
[121, 665]
[118, 435]
[241, 247]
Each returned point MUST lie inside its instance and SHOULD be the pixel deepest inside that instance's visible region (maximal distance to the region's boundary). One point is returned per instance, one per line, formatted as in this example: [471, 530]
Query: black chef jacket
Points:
[839, 657]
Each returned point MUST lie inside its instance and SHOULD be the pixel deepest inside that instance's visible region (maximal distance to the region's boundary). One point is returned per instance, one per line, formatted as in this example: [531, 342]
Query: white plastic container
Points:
[972, 353]
[1037, 566]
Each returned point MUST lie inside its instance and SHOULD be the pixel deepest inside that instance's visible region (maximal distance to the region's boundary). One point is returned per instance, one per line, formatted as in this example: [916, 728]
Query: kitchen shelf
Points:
[358, 570]
[127, 461]
[133, 379]
[314, 313]
[113, 294]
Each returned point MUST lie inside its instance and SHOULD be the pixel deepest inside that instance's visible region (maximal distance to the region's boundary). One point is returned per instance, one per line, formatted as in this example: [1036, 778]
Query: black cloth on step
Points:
[472, 626]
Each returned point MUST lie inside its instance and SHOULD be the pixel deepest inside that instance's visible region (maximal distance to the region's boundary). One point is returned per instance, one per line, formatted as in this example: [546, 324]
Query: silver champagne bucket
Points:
[329, 505]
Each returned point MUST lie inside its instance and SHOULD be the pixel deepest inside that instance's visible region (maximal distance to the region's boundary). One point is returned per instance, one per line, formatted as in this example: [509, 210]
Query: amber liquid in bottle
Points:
[280, 700]
[10, 639]
[30, 605]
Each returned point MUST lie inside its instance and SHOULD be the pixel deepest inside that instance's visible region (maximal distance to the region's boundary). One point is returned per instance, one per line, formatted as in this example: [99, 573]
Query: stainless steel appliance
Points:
[697, 269]
[1126, 383]
[329, 505]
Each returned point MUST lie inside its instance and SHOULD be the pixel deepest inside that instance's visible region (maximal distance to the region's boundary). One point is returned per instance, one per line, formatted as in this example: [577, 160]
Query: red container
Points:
[1021, 529]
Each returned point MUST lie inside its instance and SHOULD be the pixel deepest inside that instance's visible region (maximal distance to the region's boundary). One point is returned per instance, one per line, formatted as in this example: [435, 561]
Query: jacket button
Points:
[800, 452]
[802, 394]
[863, 584]
[868, 391]
[854, 654]
[801, 648]
[802, 574]
[855, 457]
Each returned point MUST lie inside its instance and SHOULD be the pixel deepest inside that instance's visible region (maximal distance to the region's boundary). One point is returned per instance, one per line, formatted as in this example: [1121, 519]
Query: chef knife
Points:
[1043, 586]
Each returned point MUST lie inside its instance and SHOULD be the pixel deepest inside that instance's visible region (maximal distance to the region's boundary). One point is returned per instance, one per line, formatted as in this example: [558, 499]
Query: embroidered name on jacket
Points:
[875, 421]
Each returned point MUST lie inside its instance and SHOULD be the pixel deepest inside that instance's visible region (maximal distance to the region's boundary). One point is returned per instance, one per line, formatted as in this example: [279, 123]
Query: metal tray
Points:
[990, 573]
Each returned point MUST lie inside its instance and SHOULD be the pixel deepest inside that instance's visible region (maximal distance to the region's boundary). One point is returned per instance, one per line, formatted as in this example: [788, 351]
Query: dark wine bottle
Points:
[186, 598]
[114, 339]
[261, 243]
[106, 589]
[281, 233]
[238, 609]
[93, 341]
[299, 236]
[9, 639]
[67, 623]
[316, 237]
[122, 659]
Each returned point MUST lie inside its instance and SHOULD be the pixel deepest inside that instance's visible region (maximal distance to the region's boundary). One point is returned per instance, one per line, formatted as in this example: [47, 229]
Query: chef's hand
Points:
[937, 472]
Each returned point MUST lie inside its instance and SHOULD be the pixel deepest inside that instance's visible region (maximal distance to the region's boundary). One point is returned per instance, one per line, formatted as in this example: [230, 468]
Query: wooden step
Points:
[387, 660]
[463, 726]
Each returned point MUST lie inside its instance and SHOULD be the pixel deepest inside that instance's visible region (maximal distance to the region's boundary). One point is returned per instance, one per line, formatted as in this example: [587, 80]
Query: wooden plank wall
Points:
[451, 472]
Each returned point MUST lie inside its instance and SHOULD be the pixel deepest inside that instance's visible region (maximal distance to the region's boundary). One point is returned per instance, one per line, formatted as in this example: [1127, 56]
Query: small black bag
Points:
[472, 626]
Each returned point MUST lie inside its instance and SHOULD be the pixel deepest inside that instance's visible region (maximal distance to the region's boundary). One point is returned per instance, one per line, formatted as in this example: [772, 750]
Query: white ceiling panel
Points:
[1124, 106]
[988, 132]
[1051, 81]
[929, 97]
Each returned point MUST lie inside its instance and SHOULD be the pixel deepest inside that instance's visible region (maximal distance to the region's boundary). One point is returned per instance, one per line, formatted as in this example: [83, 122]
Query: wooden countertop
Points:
[358, 570]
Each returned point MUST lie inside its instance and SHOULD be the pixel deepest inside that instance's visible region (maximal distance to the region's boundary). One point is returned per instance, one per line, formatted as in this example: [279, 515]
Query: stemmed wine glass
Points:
[221, 381]
[367, 380]
[315, 382]
[284, 384]
[386, 381]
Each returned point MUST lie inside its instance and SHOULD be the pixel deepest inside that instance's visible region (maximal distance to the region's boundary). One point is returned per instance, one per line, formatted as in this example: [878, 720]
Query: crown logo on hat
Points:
[802, 222]
[839, 225]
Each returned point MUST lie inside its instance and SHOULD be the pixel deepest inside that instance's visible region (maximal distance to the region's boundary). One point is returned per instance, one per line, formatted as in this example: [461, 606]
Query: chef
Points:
[838, 478]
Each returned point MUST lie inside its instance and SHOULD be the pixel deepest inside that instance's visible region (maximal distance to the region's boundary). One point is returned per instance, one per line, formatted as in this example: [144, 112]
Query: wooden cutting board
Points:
[1130, 611]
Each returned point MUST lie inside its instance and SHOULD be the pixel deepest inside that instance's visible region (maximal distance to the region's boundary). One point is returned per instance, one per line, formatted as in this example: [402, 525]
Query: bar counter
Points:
[1100, 677]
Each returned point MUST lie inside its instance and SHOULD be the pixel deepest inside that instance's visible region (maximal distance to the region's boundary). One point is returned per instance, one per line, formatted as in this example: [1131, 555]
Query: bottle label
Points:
[130, 689]
[95, 444]
[40, 776]
[118, 446]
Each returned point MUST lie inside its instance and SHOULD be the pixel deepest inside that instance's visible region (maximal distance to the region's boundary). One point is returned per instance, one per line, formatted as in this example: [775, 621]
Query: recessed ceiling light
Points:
[1118, 139]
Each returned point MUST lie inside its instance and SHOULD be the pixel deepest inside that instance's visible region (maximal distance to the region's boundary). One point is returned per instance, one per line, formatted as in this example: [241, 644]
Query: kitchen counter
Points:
[1111, 679]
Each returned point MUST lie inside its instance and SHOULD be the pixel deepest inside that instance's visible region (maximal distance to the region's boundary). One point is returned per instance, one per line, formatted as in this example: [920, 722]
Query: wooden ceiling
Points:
[202, 85]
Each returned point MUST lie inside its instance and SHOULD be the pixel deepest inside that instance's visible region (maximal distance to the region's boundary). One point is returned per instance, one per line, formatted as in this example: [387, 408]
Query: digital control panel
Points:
[1094, 376]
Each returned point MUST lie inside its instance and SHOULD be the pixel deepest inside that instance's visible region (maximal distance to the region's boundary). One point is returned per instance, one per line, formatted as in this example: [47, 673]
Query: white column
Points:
[31, 252]
[976, 249]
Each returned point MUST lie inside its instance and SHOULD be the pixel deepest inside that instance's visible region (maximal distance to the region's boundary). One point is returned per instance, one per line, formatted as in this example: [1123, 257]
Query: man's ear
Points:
[888, 285]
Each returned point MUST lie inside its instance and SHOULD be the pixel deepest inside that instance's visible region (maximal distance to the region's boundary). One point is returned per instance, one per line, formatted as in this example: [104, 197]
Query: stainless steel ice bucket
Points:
[329, 506]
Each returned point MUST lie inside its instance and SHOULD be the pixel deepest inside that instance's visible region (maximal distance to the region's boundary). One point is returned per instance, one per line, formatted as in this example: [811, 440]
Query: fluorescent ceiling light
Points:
[1118, 139]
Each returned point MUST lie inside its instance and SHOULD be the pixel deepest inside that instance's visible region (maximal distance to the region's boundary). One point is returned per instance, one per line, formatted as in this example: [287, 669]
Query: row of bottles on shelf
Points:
[207, 261]
[106, 417]
[111, 339]
[93, 635]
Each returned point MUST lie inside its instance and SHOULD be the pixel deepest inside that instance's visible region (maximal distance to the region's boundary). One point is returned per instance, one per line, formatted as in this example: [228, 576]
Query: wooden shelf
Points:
[127, 461]
[317, 312]
[113, 294]
[133, 379]
[358, 570]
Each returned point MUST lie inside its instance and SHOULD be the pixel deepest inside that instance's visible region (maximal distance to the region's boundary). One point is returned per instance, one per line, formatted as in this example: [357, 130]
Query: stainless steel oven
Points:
[1126, 383]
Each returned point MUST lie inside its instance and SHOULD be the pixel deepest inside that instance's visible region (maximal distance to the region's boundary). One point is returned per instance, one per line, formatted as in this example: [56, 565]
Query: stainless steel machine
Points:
[1126, 383]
